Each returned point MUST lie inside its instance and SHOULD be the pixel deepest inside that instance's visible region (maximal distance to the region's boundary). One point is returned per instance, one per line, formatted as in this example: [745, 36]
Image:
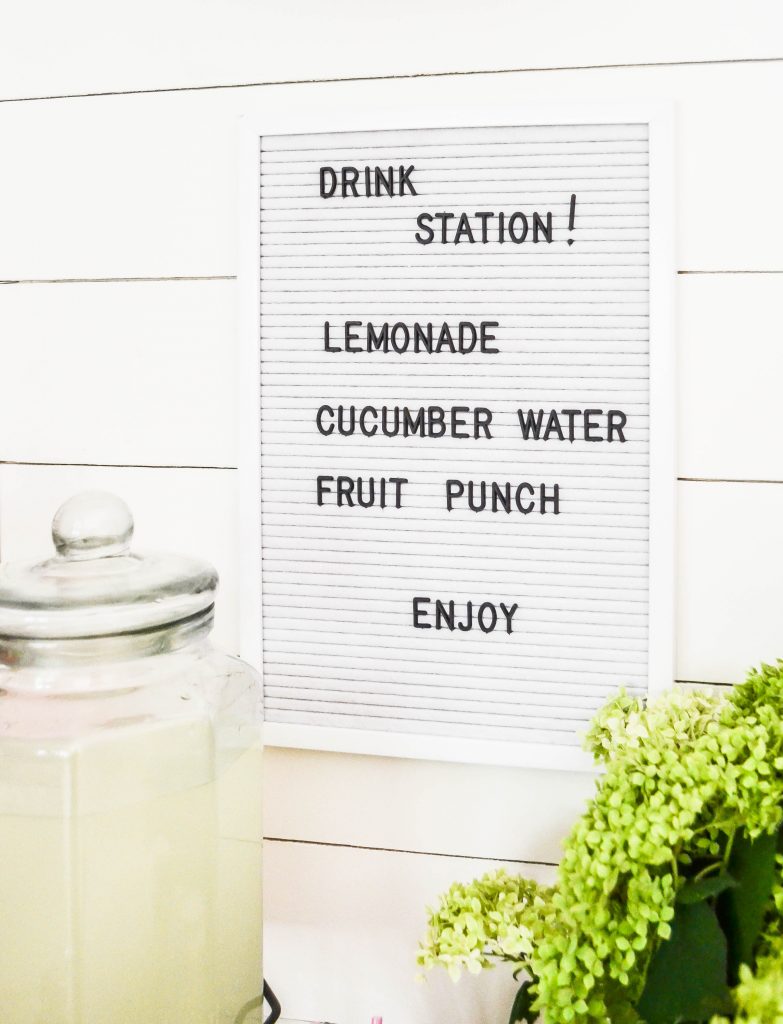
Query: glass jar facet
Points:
[130, 828]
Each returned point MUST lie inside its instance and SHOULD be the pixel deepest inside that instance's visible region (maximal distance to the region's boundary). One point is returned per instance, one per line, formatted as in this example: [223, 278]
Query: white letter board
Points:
[457, 497]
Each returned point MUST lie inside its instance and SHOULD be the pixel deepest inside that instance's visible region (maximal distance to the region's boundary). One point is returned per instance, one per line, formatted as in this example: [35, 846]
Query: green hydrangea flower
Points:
[491, 919]
[682, 776]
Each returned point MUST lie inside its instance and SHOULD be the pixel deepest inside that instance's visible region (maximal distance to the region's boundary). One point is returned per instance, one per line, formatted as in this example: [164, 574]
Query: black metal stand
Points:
[274, 1004]
[257, 1003]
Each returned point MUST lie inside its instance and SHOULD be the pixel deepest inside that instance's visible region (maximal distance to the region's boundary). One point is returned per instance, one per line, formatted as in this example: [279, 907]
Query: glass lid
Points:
[95, 585]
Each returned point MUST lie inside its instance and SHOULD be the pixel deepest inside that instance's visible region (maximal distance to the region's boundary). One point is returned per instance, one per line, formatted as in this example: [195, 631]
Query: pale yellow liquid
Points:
[128, 895]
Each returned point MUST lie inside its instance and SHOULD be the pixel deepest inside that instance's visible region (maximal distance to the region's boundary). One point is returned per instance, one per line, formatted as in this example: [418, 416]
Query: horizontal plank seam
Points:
[722, 480]
[701, 682]
[140, 465]
[695, 273]
[106, 465]
[381, 78]
[120, 280]
[233, 277]
[415, 853]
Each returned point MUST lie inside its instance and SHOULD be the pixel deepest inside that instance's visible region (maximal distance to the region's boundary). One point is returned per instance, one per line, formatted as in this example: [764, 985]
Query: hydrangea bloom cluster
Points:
[683, 776]
[488, 920]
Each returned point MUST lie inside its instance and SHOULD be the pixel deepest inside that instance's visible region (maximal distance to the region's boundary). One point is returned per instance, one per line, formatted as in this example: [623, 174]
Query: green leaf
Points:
[741, 910]
[686, 980]
[522, 1011]
[705, 888]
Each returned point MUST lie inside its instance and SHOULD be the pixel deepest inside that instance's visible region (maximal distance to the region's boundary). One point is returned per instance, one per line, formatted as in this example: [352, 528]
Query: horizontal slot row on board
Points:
[285, 585]
[473, 307]
[333, 463]
[460, 523]
[541, 261]
[375, 294]
[364, 670]
[292, 280]
[464, 135]
[306, 391]
[450, 643]
[594, 207]
[420, 576]
[397, 621]
[541, 322]
[480, 678]
[460, 161]
[299, 249]
[438, 375]
[528, 685]
[366, 462]
[298, 253]
[446, 641]
[465, 581]
[486, 294]
[380, 145]
[451, 730]
[446, 714]
[290, 353]
[497, 307]
[627, 666]
[524, 561]
[612, 672]
[300, 472]
[434, 697]
[382, 150]
[313, 532]
[608, 519]
[535, 691]
[389, 545]
[505, 477]
[528, 716]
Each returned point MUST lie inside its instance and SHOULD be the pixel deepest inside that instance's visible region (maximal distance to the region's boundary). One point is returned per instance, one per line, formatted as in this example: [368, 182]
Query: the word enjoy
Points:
[437, 614]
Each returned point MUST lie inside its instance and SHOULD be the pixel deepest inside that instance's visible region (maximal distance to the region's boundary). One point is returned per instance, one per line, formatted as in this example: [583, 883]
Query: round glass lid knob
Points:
[94, 524]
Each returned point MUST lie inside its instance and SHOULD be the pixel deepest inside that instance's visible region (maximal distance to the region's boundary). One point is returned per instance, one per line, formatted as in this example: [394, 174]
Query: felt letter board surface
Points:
[457, 427]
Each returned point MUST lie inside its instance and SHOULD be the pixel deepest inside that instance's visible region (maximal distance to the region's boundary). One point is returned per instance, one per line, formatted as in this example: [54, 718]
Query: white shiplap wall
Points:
[128, 383]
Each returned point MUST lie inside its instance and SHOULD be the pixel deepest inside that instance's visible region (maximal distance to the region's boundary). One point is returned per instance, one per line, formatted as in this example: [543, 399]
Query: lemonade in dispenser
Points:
[130, 788]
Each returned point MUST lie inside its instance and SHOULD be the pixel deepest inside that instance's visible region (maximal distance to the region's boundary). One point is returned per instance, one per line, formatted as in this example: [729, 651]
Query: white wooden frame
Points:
[282, 116]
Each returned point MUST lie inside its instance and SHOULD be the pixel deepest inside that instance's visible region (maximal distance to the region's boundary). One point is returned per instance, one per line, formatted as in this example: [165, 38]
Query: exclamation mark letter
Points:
[571, 217]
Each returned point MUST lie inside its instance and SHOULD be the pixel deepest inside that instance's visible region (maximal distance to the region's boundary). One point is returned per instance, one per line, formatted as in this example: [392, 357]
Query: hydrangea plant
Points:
[668, 903]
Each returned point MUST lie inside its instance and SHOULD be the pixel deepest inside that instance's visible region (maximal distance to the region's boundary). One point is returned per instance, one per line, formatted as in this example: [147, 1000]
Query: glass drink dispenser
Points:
[130, 778]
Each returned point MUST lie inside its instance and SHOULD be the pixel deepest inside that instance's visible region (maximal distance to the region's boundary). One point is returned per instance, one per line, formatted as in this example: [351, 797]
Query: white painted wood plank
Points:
[729, 605]
[730, 610]
[47, 51]
[341, 930]
[146, 185]
[426, 806]
[150, 371]
[730, 364]
[141, 374]
[729, 615]
[730, 564]
[189, 511]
